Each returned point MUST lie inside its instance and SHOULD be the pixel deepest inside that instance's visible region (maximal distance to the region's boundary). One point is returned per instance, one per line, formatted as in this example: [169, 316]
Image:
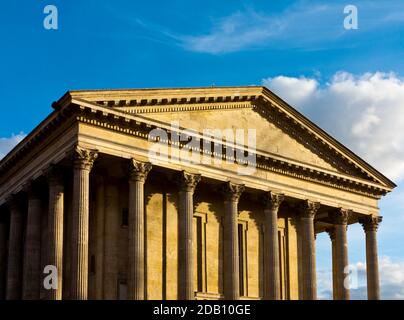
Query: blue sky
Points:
[350, 82]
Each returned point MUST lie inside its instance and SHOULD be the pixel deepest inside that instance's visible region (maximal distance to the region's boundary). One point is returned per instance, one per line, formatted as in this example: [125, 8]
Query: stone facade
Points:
[82, 192]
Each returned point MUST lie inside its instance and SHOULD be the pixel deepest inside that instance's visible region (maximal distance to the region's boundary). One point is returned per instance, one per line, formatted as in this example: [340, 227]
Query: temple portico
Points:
[83, 193]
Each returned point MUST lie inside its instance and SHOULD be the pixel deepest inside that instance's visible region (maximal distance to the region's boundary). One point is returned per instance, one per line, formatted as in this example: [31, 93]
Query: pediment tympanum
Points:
[270, 138]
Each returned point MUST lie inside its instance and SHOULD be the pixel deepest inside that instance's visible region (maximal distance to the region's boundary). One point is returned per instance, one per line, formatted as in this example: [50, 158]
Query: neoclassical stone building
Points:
[82, 192]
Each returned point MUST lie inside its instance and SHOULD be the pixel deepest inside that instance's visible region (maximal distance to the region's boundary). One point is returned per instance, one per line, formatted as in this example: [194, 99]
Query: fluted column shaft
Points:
[83, 162]
[309, 210]
[136, 268]
[331, 233]
[100, 239]
[232, 193]
[43, 295]
[273, 282]
[111, 244]
[32, 251]
[370, 225]
[55, 229]
[3, 258]
[14, 266]
[187, 183]
[340, 219]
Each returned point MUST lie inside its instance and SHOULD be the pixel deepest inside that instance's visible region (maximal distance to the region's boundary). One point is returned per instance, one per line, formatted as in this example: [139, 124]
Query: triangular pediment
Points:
[281, 131]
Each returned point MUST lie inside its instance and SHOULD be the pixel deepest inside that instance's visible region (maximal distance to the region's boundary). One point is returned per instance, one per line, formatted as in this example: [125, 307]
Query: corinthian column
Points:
[232, 193]
[83, 163]
[340, 220]
[187, 183]
[55, 228]
[370, 225]
[32, 250]
[138, 172]
[309, 210]
[272, 283]
[14, 266]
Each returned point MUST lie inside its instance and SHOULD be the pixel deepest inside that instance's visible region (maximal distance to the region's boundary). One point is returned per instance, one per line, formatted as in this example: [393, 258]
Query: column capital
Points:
[139, 170]
[370, 223]
[309, 208]
[272, 201]
[232, 191]
[188, 181]
[340, 216]
[84, 158]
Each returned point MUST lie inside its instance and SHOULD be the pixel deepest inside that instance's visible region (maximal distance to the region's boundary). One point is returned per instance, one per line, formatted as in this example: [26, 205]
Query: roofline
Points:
[167, 89]
[27, 137]
[199, 91]
[66, 98]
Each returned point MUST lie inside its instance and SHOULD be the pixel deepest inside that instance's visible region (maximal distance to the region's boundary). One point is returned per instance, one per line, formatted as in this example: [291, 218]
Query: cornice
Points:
[167, 96]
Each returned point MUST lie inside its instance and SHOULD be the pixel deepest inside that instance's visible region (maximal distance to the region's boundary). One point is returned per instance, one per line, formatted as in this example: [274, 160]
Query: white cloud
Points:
[6, 144]
[290, 29]
[364, 112]
[392, 272]
[233, 33]
[391, 281]
[324, 284]
[303, 88]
